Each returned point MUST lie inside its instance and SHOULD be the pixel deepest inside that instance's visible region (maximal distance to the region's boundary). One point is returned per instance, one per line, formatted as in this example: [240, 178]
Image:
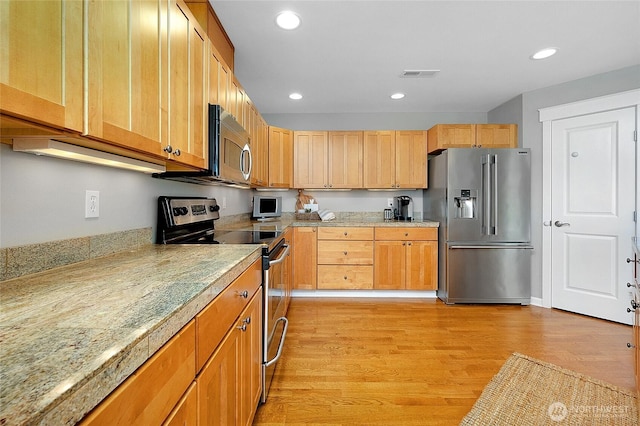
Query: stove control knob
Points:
[180, 211]
[214, 208]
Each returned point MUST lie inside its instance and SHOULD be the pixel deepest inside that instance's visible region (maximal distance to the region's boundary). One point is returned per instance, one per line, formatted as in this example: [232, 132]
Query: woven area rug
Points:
[527, 391]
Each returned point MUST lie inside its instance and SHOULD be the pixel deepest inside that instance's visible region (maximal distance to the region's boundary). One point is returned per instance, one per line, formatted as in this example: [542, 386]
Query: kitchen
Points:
[47, 195]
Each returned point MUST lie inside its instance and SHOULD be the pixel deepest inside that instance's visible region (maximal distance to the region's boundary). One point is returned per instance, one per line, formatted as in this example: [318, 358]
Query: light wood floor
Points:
[420, 362]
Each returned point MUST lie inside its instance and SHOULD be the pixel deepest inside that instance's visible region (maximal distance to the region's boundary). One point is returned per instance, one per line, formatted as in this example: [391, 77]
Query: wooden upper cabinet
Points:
[497, 135]
[124, 71]
[444, 136]
[259, 150]
[379, 159]
[345, 160]
[309, 159]
[42, 61]
[411, 159]
[280, 157]
[187, 60]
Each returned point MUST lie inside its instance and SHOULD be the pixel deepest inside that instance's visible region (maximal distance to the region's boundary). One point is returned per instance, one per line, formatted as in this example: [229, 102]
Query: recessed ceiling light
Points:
[295, 96]
[287, 20]
[397, 96]
[544, 53]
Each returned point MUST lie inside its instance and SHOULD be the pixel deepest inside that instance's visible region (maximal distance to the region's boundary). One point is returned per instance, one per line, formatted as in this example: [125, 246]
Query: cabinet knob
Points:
[177, 153]
[168, 149]
[242, 327]
[345, 277]
[245, 294]
[408, 244]
[630, 285]
[247, 320]
[629, 345]
[633, 261]
[345, 253]
[345, 234]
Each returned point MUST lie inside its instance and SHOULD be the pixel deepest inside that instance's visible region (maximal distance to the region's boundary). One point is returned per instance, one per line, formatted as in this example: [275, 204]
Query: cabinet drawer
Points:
[407, 234]
[213, 322]
[345, 277]
[148, 395]
[341, 233]
[345, 252]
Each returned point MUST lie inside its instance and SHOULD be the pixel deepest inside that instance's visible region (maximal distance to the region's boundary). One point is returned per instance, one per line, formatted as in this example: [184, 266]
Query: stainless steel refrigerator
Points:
[482, 199]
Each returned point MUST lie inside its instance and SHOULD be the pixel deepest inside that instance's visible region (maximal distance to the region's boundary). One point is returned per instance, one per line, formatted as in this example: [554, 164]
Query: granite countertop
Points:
[70, 335]
[346, 220]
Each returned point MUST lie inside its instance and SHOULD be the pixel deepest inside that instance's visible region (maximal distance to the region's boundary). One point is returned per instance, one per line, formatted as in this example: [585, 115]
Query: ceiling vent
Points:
[419, 73]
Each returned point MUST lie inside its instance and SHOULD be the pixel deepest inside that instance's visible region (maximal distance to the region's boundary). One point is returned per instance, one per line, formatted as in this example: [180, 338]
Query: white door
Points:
[592, 203]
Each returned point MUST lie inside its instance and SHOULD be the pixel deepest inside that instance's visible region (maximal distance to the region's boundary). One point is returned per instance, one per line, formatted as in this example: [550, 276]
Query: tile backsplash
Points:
[32, 258]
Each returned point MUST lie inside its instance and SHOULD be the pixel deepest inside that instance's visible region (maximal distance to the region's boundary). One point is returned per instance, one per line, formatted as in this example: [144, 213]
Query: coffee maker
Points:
[403, 208]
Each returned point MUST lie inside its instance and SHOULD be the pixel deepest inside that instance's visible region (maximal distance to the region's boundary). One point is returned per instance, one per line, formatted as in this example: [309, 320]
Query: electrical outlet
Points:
[389, 202]
[92, 204]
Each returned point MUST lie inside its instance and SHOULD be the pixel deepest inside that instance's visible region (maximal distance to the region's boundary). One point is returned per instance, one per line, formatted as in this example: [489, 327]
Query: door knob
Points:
[561, 224]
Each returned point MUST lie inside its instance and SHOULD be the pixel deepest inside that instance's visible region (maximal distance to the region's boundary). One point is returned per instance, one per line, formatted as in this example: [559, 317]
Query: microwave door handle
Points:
[246, 150]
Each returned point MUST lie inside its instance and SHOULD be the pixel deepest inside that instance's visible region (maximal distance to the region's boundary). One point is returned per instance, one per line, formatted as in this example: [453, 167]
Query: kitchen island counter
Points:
[71, 335]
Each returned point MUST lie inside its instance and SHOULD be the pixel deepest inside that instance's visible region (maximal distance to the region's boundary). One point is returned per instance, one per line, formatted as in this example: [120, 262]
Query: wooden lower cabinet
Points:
[149, 395]
[345, 258]
[229, 384]
[186, 412]
[305, 257]
[406, 258]
[171, 388]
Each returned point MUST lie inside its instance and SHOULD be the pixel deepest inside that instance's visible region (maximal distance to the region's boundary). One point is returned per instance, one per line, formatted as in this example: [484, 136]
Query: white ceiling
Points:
[347, 56]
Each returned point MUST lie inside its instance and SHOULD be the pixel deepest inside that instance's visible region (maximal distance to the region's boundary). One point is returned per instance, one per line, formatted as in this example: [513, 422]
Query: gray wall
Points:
[42, 198]
[530, 135]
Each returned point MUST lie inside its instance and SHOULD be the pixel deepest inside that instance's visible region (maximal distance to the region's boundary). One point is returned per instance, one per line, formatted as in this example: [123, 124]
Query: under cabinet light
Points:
[67, 151]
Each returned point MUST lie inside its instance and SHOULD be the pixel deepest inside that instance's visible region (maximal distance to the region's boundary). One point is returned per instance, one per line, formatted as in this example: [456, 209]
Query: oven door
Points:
[275, 322]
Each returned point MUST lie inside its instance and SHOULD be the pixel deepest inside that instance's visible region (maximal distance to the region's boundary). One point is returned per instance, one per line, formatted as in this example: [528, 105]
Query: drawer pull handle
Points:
[245, 294]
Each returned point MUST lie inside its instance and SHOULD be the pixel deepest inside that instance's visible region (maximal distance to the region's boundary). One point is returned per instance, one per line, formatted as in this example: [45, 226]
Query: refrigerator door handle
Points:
[492, 246]
[493, 230]
[486, 196]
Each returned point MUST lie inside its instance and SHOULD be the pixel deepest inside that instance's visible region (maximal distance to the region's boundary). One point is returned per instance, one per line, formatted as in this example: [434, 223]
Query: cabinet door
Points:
[218, 384]
[379, 155]
[444, 136]
[250, 359]
[151, 392]
[186, 76]
[422, 265]
[411, 159]
[345, 160]
[497, 135]
[259, 150]
[224, 78]
[124, 69]
[280, 157]
[186, 412]
[305, 257]
[42, 61]
[389, 265]
[310, 159]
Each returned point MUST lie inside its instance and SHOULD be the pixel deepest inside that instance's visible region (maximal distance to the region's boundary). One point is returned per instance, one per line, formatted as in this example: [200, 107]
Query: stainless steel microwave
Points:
[229, 159]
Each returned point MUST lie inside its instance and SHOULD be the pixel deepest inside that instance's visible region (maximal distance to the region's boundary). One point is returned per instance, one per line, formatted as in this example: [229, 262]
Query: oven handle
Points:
[281, 344]
[281, 258]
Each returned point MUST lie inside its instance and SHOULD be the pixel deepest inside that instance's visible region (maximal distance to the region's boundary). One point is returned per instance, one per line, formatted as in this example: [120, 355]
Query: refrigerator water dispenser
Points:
[466, 203]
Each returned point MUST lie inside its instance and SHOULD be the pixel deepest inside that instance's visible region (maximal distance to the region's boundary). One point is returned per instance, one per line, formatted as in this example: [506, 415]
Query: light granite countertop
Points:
[70, 335]
[353, 220]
